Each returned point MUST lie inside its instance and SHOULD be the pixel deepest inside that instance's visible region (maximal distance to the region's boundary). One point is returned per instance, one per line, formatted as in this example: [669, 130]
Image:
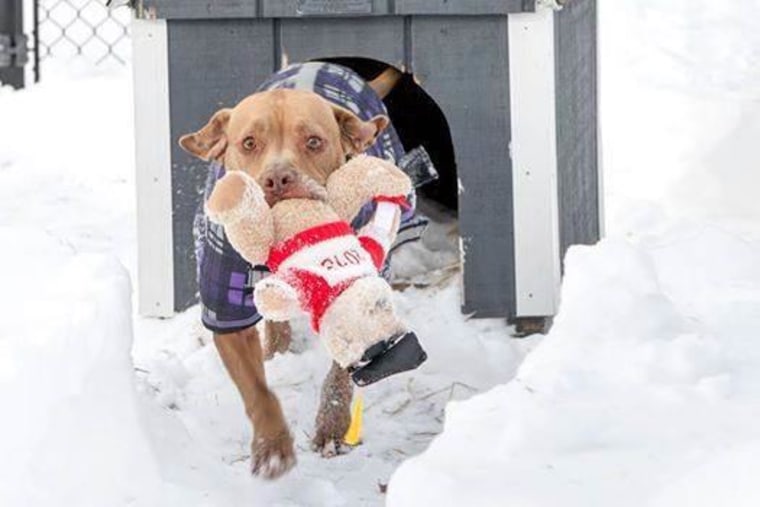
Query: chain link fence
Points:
[85, 28]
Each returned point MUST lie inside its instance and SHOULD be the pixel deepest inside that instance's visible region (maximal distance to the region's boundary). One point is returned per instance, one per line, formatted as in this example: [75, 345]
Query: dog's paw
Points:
[334, 414]
[329, 447]
[272, 457]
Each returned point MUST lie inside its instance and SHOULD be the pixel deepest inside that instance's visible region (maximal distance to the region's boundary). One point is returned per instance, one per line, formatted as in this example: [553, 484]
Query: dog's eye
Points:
[249, 143]
[314, 143]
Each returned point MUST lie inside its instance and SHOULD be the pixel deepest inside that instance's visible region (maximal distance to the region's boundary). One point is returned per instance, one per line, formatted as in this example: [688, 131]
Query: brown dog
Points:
[289, 141]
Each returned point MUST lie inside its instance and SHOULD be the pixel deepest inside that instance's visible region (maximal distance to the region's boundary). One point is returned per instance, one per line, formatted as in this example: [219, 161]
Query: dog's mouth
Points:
[303, 189]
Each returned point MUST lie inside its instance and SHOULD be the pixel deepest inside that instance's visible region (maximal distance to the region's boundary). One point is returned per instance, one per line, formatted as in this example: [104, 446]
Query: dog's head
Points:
[289, 141]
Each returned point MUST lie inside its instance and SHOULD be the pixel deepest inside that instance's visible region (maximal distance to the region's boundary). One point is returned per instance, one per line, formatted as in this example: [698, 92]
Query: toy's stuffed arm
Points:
[275, 299]
[379, 234]
[364, 179]
[237, 203]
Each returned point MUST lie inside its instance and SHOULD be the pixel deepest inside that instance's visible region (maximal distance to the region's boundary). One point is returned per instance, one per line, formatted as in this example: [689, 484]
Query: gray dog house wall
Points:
[516, 83]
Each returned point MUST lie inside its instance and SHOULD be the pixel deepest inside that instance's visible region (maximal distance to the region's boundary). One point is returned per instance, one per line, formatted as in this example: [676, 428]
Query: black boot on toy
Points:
[398, 354]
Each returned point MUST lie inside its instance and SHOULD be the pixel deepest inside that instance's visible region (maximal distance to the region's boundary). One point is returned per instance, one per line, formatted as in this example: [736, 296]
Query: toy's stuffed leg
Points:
[363, 333]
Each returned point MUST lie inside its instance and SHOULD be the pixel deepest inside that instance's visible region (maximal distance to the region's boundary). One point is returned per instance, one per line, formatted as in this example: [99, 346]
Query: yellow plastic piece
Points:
[354, 433]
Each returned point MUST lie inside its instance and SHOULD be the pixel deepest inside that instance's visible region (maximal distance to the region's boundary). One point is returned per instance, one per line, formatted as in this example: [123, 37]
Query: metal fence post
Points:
[12, 43]
[36, 36]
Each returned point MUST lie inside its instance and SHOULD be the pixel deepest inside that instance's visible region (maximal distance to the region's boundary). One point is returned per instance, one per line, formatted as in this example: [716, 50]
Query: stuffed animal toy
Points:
[320, 266]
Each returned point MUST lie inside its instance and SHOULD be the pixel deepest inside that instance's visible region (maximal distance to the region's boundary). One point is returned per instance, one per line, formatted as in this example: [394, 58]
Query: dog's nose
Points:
[279, 180]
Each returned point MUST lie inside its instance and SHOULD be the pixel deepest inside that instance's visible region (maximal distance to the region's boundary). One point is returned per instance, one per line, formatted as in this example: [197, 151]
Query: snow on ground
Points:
[648, 379]
[642, 394]
[86, 423]
[645, 390]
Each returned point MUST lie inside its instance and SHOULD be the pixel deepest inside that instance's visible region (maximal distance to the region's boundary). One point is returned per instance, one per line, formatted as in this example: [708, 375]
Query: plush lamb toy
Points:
[321, 266]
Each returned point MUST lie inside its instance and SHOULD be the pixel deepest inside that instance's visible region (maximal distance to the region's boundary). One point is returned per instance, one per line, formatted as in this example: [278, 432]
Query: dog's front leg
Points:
[334, 414]
[272, 451]
[278, 336]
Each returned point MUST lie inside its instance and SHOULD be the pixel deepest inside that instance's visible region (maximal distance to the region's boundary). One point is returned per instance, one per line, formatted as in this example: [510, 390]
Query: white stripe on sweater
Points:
[336, 260]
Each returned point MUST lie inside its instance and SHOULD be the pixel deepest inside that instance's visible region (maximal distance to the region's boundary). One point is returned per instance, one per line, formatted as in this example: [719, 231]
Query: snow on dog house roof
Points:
[516, 82]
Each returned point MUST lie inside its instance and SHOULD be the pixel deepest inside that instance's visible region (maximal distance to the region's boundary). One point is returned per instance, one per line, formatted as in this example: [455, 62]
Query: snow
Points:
[648, 376]
[643, 393]
[68, 377]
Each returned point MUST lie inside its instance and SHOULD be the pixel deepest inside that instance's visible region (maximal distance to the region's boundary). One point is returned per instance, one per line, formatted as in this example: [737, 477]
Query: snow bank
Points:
[645, 391]
[680, 110]
[642, 389]
[71, 432]
[67, 160]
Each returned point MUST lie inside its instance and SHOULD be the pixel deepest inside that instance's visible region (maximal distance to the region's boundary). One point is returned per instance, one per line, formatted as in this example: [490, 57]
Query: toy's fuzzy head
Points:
[289, 141]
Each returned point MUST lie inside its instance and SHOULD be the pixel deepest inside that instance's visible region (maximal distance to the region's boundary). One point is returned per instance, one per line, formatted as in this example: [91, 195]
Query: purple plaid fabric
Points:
[225, 279]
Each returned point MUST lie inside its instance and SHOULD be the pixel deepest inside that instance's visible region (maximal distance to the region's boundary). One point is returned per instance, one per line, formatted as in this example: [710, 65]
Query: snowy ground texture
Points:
[644, 392]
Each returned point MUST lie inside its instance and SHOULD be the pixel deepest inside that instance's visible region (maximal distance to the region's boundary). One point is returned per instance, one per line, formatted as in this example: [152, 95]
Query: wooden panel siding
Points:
[578, 183]
[218, 9]
[376, 38]
[470, 82]
[205, 77]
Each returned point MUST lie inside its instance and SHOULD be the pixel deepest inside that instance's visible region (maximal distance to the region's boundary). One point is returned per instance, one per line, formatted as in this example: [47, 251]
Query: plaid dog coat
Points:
[225, 279]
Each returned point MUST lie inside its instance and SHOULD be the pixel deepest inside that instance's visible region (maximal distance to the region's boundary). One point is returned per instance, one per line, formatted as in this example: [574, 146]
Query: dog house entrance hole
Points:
[419, 122]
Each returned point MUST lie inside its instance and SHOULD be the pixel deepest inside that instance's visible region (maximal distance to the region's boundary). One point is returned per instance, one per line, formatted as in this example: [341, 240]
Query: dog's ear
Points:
[358, 135]
[209, 142]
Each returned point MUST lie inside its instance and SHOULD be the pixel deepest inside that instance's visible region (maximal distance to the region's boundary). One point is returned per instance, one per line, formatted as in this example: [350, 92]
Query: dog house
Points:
[514, 85]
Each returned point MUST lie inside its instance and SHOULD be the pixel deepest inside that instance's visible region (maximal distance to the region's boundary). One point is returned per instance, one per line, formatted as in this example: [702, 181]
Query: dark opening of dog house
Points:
[417, 119]
[501, 94]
